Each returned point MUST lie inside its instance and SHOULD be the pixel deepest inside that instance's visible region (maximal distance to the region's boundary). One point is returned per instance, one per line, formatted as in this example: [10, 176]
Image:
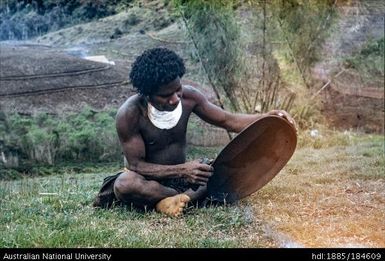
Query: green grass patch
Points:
[58, 169]
[56, 211]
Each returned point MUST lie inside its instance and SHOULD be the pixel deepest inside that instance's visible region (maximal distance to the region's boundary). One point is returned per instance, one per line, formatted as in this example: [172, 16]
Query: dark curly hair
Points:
[155, 67]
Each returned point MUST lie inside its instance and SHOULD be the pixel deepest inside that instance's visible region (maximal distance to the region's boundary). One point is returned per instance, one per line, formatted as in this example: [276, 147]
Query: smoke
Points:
[77, 51]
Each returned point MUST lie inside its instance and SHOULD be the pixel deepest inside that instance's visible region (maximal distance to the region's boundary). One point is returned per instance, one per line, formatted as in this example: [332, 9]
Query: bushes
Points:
[88, 136]
[304, 25]
[216, 35]
[369, 61]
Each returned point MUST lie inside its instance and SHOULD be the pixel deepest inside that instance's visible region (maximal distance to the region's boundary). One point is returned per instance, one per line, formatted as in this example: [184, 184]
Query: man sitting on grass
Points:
[152, 125]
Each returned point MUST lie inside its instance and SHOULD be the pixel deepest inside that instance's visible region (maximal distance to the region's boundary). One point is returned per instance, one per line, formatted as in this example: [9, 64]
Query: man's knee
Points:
[126, 185]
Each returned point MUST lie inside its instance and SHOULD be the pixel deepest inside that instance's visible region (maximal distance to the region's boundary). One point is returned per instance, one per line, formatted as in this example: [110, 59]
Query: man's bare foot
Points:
[173, 206]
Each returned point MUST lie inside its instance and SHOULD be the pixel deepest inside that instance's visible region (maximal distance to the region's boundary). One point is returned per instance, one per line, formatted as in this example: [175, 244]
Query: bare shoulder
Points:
[192, 93]
[130, 111]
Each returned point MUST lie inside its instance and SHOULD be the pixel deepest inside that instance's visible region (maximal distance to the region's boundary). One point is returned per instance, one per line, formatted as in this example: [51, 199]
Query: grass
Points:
[58, 169]
[325, 197]
[332, 196]
[56, 211]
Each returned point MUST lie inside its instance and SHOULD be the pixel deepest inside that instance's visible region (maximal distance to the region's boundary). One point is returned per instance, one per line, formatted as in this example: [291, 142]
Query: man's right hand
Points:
[196, 172]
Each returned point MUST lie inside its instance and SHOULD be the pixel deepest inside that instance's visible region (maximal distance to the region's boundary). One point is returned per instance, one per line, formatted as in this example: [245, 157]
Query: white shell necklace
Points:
[164, 119]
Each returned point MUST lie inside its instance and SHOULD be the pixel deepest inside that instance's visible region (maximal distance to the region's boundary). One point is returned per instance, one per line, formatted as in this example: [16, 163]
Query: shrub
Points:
[47, 139]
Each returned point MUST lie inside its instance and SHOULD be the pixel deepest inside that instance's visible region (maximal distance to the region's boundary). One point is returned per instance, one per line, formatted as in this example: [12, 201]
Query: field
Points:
[331, 194]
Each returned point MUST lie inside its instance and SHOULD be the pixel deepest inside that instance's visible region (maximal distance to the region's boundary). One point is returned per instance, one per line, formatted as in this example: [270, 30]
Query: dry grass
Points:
[330, 197]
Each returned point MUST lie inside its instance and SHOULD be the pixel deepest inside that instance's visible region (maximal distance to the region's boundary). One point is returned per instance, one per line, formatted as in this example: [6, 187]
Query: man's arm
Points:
[134, 150]
[234, 122]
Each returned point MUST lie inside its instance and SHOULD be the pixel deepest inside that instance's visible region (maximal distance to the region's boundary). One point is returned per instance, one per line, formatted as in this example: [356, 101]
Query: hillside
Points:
[354, 27]
[352, 68]
[340, 89]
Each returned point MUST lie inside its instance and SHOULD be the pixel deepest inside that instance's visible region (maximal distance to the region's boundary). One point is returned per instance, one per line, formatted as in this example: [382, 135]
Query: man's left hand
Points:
[285, 115]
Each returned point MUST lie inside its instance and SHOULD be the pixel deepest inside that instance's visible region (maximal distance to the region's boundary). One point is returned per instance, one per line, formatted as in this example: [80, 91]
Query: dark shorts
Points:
[106, 197]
